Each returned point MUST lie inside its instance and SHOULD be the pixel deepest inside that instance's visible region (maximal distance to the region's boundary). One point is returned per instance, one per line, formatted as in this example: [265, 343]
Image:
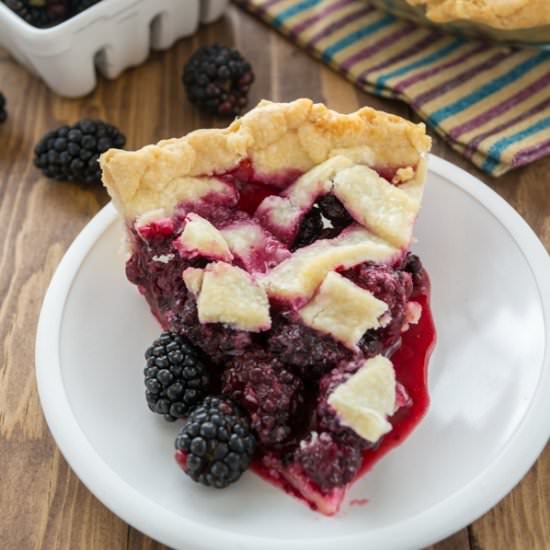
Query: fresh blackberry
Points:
[215, 445]
[71, 153]
[3, 111]
[310, 229]
[40, 13]
[306, 351]
[176, 378]
[271, 395]
[217, 80]
[328, 462]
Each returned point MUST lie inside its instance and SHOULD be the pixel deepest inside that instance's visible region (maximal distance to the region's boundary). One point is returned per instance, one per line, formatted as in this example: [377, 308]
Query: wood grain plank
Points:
[458, 541]
[42, 503]
[522, 519]
[139, 541]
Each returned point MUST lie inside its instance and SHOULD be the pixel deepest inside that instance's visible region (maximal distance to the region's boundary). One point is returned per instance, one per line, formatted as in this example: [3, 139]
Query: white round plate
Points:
[489, 384]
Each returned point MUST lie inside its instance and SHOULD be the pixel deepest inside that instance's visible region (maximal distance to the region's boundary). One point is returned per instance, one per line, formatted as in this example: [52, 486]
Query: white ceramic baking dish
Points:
[109, 36]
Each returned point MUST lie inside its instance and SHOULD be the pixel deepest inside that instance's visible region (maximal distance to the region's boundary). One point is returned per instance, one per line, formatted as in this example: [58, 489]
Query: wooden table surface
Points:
[42, 503]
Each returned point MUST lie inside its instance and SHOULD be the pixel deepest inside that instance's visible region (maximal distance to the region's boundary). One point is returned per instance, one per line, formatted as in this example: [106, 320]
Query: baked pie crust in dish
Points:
[279, 246]
[521, 22]
[499, 14]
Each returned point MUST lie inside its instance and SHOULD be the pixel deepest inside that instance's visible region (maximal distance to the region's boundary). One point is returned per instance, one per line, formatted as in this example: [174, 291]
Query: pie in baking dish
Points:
[499, 14]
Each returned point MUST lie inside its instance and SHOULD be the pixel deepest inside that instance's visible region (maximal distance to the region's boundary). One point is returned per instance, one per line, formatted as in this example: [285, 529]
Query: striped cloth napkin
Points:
[491, 103]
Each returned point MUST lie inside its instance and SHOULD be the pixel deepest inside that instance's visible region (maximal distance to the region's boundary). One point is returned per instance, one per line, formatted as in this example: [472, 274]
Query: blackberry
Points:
[3, 111]
[216, 340]
[40, 13]
[271, 395]
[217, 80]
[176, 378]
[310, 229]
[391, 286]
[306, 351]
[328, 462]
[71, 153]
[335, 211]
[215, 445]
[160, 282]
[413, 265]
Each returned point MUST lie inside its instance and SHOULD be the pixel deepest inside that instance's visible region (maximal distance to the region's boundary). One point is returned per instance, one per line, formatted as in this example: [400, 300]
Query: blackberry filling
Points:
[310, 229]
[155, 268]
[271, 394]
[327, 462]
[218, 341]
[307, 352]
[327, 219]
[266, 373]
[277, 248]
[413, 265]
[335, 212]
[393, 287]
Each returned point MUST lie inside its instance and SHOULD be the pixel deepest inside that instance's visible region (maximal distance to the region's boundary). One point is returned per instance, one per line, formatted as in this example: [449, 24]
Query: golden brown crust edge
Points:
[499, 14]
[274, 136]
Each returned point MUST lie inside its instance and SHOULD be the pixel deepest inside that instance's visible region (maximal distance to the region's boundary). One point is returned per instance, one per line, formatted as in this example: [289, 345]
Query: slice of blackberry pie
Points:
[277, 249]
